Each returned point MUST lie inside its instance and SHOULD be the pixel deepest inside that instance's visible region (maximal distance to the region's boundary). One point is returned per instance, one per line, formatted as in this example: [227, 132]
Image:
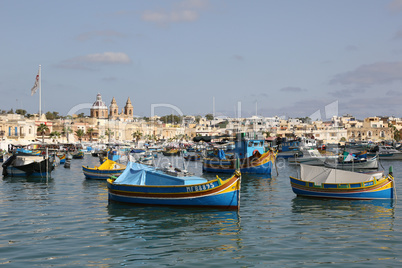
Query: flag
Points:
[36, 85]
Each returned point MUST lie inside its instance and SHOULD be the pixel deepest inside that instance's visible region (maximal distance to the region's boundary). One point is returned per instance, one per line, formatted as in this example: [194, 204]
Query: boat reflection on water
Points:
[169, 224]
[304, 204]
[379, 213]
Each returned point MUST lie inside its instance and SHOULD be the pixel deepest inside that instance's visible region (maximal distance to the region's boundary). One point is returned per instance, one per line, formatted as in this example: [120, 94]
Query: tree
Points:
[174, 119]
[137, 135]
[21, 112]
[54, 134]
[89, 132]
[42, 128]
[396, 132]
[80, 133]
[267, 134]
[65, 132]
[108, 132]
[209, 117]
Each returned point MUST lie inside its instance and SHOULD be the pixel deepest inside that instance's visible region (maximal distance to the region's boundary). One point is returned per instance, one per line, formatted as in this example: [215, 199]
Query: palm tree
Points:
[42, 128]
[89, 132]
[267, 134]
[137, 135]
[54, 134]
[65, 132]
[80, 133]
[108, 132]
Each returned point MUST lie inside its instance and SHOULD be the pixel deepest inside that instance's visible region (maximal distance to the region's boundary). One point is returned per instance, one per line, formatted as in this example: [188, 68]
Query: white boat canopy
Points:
[320, 175]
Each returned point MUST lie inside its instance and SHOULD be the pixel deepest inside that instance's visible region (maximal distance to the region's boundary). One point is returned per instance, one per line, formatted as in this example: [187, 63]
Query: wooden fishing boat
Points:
[251, 155]
[78, 155]
[333, 183]
[62, 158]
[386, 153]
[192, 157]
[25, 165]
[171, 152]
[140, 184]
[361, 163]
[106, 170]
[312, 157]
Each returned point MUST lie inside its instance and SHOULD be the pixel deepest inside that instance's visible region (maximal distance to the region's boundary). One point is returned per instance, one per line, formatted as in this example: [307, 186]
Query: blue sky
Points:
[283, 57]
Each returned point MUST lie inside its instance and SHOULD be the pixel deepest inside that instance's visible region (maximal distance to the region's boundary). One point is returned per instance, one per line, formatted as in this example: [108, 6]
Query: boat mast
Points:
[40, 97]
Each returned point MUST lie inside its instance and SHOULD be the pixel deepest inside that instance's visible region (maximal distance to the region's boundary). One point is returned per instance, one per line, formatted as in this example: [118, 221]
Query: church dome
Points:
[99, 104]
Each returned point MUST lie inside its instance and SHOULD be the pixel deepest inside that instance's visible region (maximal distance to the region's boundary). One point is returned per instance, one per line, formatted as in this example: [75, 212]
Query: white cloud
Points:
[185, 11]
[172, 16]
[106, 57]
[86, 62]
[371, 74]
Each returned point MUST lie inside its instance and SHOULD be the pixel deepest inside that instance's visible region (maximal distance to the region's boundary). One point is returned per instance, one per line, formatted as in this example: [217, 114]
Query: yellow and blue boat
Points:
[141, 184]
[106, 170]
[78, 155]
[62, 158]
[334, 183]
[250, 153]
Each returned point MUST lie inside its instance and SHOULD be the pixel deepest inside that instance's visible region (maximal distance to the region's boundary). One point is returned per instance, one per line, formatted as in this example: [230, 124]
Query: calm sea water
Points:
[67, 221]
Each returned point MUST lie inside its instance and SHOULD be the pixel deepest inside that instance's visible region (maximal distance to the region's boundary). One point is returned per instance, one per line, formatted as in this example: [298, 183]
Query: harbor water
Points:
[67, 221]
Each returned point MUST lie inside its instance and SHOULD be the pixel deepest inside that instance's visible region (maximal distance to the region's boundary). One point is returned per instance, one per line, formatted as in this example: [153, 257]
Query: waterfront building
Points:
[99, 109]
[16, 129]
[372, 129]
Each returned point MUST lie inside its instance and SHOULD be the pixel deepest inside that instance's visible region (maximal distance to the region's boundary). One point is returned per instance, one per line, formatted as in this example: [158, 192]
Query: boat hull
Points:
[254, 165]
[365, 191]
[108, 169]
[175, 153]
[371, 163]
[387, 156]
[216, 193]
[79, 155]
[32, 169]
[100, 174]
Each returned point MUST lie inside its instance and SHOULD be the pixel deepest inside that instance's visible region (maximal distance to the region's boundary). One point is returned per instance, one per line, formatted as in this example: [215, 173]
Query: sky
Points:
[310, 58]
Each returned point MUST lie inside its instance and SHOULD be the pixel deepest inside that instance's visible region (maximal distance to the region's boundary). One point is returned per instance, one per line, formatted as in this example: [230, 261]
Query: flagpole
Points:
[40, 97]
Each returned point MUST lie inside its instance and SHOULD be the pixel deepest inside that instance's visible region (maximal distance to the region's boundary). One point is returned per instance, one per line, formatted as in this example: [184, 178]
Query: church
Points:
[99, 110]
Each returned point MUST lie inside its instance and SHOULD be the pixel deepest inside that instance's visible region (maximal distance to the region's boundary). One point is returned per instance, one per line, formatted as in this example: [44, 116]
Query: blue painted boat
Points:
[334, 183]
[78, 155]
[192, 157]
[62, 158]
[106, 170]
[27, 166]
[289, 148]
[141, 184]
[251, 155]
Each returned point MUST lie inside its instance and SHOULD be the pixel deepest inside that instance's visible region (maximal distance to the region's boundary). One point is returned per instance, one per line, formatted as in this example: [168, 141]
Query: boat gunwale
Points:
[376, 184]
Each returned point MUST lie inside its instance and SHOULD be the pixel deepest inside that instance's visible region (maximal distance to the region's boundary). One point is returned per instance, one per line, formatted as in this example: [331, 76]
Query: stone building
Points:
[99, 109]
